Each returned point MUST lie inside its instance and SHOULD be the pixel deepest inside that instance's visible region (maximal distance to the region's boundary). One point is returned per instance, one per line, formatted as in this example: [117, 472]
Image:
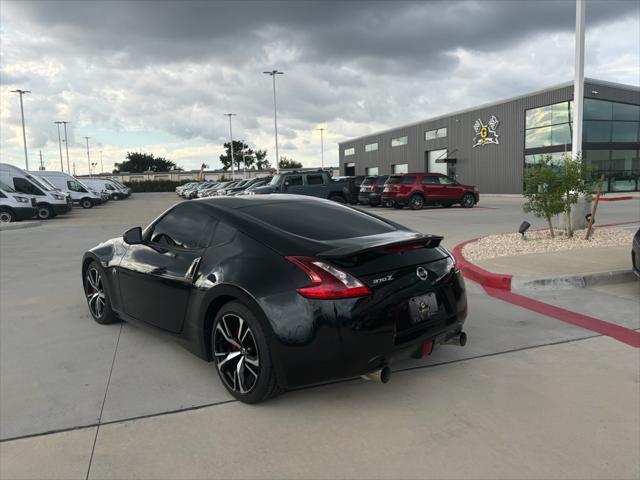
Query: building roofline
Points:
[591, 81]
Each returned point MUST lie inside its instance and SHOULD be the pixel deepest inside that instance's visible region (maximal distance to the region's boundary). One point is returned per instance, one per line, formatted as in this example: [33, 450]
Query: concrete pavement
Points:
[560, 411]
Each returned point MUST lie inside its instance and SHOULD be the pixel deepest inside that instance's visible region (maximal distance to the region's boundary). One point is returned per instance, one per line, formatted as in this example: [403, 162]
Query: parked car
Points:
[251, 190]
[80, 193]
[237, 189]
[371, 190]
[278, 301]
[113, 190]
[181, 188]
[216, 190]
[50, 202]
[316, 184]
[353, 188]
[123, 188]
[15, 206]
[419, 189]
[635, 254]
[193, 192]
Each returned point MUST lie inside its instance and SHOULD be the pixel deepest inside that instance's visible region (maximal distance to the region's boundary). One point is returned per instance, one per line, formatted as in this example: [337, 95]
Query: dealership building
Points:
[491, 145]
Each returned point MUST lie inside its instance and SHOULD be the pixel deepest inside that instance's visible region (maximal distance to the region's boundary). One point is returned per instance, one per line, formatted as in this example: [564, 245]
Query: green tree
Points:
[144, 162]
[543, 191]
[575, 178]
[261, 162]
[244, 156]
[288, 163]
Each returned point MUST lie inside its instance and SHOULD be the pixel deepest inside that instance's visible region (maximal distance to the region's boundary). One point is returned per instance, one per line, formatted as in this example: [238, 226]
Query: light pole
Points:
[60, 146]
[233, 174]
[273, 74]
[101, 166]
[66, 144]
[322, 146]
[24, 134]
[578, 81]
[88, 157]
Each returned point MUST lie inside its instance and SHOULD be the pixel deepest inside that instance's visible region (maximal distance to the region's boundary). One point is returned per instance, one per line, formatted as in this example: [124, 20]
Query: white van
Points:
[123, 188]
[49, 202]
[105, 184]
[80, 193]
[14, 206]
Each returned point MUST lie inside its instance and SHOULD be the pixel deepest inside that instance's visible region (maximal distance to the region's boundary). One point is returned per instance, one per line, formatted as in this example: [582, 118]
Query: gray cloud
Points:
[175, 67]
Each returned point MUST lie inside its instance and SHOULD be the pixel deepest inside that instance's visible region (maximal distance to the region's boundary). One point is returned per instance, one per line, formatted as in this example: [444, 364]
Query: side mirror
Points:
[133, 236]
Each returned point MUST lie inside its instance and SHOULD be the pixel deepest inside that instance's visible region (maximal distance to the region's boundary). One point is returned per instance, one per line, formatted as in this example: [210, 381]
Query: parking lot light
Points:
[273, 74]
[233, 175]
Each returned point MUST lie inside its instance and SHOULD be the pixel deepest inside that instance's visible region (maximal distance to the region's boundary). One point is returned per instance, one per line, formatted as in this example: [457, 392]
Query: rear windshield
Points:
[394, 180]
[318, 221]
[369, 181]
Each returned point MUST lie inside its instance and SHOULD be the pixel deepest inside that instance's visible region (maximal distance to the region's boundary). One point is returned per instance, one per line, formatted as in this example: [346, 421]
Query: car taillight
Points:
[327, 281]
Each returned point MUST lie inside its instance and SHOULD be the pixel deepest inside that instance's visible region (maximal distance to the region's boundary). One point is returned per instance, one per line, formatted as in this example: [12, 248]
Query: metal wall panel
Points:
[493, 168]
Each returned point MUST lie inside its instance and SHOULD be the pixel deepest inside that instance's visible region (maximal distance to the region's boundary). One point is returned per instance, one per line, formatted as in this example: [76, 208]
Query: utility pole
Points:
[60, 146]
[88, 157]
[66, 144]
[578, 82]
[233, 174]
[101, 166]
[74, 169]
[41, 164]
[273, 74]
[24, 134]
[322, 146]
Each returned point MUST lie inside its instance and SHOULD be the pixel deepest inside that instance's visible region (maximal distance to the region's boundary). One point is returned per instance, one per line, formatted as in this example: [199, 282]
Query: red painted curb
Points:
[480, 275]
[499, 286]
[616, 199]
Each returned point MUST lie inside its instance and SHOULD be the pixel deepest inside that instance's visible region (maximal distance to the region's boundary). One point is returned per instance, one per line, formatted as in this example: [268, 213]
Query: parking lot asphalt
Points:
[56, 363]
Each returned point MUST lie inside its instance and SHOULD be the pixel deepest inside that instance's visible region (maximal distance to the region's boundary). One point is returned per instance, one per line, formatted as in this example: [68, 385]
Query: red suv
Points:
[419, 189]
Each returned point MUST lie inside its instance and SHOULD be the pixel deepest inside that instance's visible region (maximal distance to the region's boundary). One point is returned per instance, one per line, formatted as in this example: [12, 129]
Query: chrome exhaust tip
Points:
[459, 339]
[382, 375]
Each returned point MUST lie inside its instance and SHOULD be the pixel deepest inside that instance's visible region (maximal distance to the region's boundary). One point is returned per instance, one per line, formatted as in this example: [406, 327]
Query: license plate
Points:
[423, 307]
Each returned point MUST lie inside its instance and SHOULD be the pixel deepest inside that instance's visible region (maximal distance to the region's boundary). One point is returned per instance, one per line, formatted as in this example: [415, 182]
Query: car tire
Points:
[337, 198]
[6, 216]
[115, 196]
[248, 359]
[97, 296]
[374, 204]
[86, 203]
[45, 212]
[416, 202]
[468, 201]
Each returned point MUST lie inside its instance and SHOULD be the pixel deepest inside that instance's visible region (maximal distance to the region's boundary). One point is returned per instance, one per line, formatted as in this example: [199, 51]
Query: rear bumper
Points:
[397, 199]
[353, 337]
[370, 198]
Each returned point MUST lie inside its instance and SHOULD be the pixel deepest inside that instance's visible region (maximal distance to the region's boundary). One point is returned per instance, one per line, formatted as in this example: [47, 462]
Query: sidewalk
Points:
[566, 262]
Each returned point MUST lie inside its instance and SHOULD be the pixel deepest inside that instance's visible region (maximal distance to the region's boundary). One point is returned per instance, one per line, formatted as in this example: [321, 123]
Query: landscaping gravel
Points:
[540, 241]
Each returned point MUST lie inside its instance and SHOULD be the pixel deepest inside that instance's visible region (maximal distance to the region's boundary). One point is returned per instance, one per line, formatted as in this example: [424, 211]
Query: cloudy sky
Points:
[157, 76]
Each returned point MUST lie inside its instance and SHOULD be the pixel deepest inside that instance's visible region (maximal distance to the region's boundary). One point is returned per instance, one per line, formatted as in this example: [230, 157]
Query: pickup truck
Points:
[315, 184]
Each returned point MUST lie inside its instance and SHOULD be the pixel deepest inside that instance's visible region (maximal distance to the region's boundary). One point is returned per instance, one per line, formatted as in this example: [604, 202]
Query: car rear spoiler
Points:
[363, 246]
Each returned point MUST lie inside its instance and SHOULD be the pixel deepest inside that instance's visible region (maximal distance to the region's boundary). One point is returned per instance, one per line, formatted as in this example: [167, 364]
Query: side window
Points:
[186, 226]
[108, 186]
[315, 180]
[429, 180]
[25, 186]
[446, 180]
[408, 180]
[294, 180]
[75, 186]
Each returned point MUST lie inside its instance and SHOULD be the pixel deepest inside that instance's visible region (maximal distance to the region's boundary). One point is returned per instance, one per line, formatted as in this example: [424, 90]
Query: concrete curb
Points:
[524, 284]
[20, 225]
[617, 199]
[483, 277]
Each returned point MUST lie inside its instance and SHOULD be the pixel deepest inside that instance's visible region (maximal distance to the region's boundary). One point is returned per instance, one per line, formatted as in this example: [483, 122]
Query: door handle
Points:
[193, 268]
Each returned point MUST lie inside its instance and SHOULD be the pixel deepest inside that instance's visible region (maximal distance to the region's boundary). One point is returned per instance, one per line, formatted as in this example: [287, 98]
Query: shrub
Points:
[543, 191]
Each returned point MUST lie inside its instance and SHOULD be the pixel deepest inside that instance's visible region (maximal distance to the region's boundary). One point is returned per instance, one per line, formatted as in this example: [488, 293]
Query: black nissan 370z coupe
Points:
[281, 291]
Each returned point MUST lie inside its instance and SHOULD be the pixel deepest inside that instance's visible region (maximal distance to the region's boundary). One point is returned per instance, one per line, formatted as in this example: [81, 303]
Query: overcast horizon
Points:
[157, 77]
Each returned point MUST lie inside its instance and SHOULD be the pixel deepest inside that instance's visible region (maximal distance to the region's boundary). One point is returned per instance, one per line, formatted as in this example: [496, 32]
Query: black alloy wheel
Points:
[241, 354]
[6, 216]
[97, 297]
[416, 202]
[468, 201]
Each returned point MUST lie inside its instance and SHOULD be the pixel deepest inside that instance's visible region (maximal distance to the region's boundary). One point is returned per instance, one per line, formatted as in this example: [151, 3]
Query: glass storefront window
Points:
[597, 109]
[624, 111]
[555, 158]
[538, 137]
[539, 117]
[560, 113]
[624, 131]
[561, 134]
[598, 159]
[597, 131]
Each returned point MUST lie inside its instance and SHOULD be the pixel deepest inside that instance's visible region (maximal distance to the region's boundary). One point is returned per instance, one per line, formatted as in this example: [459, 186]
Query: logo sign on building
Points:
[486, 133]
